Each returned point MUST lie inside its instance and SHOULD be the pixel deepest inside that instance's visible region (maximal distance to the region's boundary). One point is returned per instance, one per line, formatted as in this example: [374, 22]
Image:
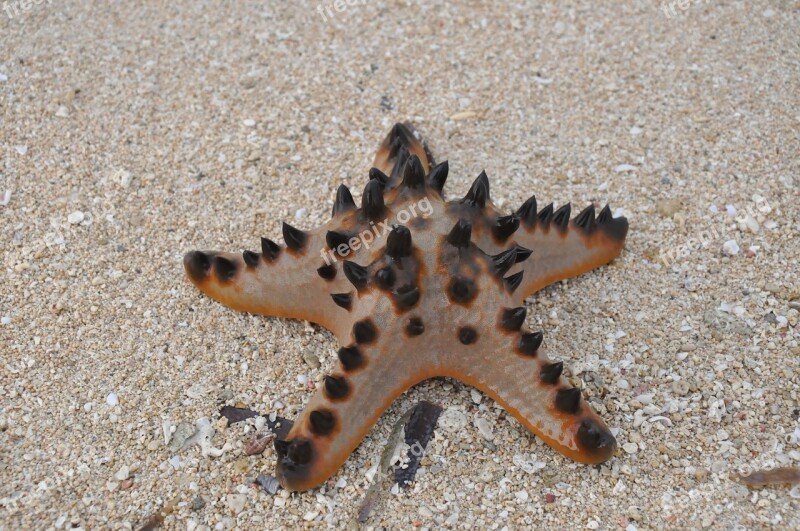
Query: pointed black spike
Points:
[585, 220]
[414, 173]
[250, 258]
[372, 200]
[295, 238]
[568, 400]
[377, 175]
[438, 175]
[344, 200]
[460, 234]
[462, 290]
[550, 373]
[605, 215]
[406, 297]
[523, 253]
[356, 274]
[343, 300]
[385, 278]
[530, 342]
[527, 212]
[546, 215]
[398, 244]
[335, 240]
[561, 217]
[397, 143]
[224, 268]
[502, 262]
[336, 388]
[505, 227]
[479, 191]
[269, 249]
[513, 282]
[511, 319]
[328, 271]
[400, 162]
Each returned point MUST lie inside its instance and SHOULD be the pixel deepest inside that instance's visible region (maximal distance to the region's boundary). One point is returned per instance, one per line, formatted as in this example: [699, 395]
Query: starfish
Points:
[415, 287]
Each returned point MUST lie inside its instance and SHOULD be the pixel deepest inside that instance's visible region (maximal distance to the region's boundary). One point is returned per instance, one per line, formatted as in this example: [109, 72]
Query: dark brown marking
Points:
[328, 271]
[351, 358]
[462, 290]
[322, 421]
[197, 265]
[467, 335]
[415, 327]
[225, 269]
[364, 332]
[336, 388]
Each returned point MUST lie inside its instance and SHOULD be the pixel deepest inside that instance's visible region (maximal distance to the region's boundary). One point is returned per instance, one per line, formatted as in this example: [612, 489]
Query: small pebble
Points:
[486, 430]
[730, 248]
[75, 217]
[630, 447]
[311, 359]
[112, 399]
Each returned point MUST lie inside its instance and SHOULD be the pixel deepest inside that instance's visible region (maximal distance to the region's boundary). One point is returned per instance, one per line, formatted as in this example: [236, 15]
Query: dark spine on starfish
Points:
[377, 175]
[351, 358]
[561, 217]
[398, 244]
[460, 234]
[523, 253]
[505, 227]
[502, 262]
[530, 342]
[250, 258]
[467, 335]
[511, 319]
[545, 216]
[372, 203]
[356, 274]
[513, 282]
[414, 173]
[568, 400]
[269, 249]
[415, 327]
[406, 297]
[438, 176]
[344, 201]
[224, 269]
[364, 332]
[550, 373]
[585, 220]
[338, 241]
[295, 238]
[527, 212]
[322, 422]
[344, 300]
[327, 271]
[478, 193]
[336, 388]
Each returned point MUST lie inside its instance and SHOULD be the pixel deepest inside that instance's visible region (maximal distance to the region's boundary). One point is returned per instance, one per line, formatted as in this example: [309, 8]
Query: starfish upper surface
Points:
[416, 287]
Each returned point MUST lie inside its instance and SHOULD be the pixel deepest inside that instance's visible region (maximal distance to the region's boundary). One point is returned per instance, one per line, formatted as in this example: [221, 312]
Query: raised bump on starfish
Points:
[411, 297]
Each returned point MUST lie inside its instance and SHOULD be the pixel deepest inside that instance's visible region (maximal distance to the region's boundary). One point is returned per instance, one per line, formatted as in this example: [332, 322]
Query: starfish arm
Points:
[529, 386]
[567, 250]
[276, 282]
[372, 372]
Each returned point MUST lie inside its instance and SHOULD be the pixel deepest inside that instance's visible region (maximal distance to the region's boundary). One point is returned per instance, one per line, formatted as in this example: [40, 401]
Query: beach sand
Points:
[132, 133]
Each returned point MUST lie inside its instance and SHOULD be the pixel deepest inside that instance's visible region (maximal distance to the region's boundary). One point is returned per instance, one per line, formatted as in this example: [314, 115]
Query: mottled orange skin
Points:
[421, 303]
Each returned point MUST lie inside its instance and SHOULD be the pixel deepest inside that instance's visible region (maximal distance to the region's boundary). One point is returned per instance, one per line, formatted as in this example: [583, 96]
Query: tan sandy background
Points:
[133, 132]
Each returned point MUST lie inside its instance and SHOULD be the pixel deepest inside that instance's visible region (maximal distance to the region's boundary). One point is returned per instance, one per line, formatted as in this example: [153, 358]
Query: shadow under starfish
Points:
[420, 287]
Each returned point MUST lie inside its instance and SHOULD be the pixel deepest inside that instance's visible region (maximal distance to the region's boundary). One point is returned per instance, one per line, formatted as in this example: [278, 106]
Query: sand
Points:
[132, 133]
